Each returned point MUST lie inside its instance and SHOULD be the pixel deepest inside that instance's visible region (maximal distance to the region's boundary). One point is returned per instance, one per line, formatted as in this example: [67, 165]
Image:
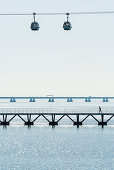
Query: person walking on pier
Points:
[100, 111]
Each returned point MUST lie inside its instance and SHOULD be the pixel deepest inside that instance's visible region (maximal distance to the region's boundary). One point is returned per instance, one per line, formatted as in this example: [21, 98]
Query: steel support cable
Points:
[70, 13]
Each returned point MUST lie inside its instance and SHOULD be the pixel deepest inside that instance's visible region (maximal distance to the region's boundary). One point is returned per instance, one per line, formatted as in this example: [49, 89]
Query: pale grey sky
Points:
[52, 61]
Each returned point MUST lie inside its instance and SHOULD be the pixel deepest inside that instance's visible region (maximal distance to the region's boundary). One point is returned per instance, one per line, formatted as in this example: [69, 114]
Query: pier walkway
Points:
[53, 116]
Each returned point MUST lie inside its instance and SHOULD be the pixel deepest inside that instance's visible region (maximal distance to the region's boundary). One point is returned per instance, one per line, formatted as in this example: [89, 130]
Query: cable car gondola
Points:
[67, 25]
[35, 25]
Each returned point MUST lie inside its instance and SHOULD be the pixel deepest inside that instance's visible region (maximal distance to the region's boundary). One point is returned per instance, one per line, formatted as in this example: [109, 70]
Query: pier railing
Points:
[57, 110]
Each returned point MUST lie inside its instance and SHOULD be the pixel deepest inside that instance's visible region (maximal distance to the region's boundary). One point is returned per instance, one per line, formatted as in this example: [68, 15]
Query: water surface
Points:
[62, 147]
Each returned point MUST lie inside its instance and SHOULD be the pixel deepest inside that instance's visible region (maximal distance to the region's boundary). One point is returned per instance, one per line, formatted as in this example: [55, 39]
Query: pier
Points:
[33, 110]
[53, 118]
[53, 99]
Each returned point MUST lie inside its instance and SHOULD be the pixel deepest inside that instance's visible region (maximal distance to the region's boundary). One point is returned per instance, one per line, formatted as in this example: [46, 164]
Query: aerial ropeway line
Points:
[62, 13]
[66, 25]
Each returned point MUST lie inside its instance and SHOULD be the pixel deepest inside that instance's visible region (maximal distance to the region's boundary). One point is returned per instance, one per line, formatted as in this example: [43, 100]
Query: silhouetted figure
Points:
[100, 111]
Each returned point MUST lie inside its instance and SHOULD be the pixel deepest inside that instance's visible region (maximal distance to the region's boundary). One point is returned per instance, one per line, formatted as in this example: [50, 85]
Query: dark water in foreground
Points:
[62, 148]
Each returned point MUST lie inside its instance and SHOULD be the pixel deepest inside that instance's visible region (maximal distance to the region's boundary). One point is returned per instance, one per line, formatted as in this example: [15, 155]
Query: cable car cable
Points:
[70, 13]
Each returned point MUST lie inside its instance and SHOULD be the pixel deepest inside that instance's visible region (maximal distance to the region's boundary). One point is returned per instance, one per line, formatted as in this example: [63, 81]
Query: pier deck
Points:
[53, 118]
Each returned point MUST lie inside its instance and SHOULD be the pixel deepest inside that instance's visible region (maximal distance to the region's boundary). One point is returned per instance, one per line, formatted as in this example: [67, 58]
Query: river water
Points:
[64, 147]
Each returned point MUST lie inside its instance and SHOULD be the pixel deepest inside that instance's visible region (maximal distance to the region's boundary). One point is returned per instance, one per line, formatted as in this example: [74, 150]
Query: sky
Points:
[52, 61]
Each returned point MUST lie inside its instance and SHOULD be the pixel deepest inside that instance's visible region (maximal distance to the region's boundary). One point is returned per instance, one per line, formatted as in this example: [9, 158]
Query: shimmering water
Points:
[61, 148]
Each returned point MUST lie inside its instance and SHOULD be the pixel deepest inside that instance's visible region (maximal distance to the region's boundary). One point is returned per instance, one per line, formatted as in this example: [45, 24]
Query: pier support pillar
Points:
[51, 99]
[88, 99]
[102, 123]
[78, 123]
[12, 99]
[53, 123]
[105, 99]
[4, 122]
[70, 99]
[29, 123]
[32, 99]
